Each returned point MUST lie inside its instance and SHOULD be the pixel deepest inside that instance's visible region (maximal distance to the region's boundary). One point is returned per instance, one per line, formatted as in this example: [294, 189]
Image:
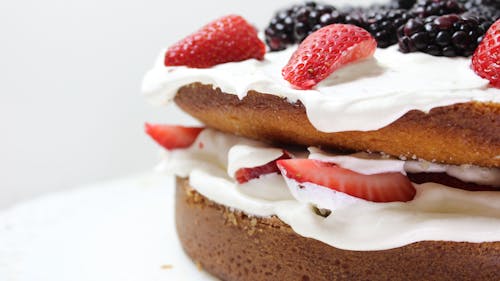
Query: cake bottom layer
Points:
[236, 247]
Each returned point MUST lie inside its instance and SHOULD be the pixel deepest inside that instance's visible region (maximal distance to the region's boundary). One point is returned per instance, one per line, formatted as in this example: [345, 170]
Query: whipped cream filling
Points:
[371, 163]
[362, 96]
[437, 212]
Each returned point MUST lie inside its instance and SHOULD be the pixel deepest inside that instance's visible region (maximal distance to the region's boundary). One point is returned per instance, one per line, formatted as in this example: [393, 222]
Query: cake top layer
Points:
[430, 54]
[366, 95]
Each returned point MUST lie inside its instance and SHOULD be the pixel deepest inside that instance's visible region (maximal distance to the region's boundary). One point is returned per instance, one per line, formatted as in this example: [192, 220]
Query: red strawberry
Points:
[386, 187]
[245, 174]
[230, 38]
[325, 51]
[486, 58]
[172, 137]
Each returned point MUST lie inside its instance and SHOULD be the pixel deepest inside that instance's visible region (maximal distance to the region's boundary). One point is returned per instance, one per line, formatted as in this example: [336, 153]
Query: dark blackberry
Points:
[486, 13]
[425, 8]
[449, 35]
[384, 23]
[312, 16]
[485, 16]
[401, 4]
[280, 32]
[293, 25]
[495, 4]
[355, 17]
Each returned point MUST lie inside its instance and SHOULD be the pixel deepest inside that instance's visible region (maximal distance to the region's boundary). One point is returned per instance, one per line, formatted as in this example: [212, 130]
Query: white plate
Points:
[120, 230]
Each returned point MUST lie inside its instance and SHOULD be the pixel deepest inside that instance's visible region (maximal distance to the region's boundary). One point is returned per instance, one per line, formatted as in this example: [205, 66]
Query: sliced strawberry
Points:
[325, 51]
[228, 39]
[245, 174]
[172, 137]
[386, 187]
[486, 58]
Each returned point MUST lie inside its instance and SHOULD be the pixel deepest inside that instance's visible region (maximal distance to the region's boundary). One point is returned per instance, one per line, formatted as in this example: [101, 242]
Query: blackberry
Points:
[279, 34]
[312, 16]
[401, 4]
[293, 25]
[384, 23]
[485, 16]
[495, 4]
[488, 13]
[449, 35]
[425, 8]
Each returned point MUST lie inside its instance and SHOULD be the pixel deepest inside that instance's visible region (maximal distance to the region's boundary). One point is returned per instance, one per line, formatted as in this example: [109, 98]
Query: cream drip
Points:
[437, 212]
[366, 95]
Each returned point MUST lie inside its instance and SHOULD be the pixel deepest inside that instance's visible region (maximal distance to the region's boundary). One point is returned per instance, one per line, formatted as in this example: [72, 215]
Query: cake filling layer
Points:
[366, 95]
[437, 212]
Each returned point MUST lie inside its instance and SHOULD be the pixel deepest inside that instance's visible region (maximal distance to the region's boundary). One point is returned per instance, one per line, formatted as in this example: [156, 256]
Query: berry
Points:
[279, 34]
[445, 179]
[313, 16]
[383, 24]
[492, 4]
[325, 51]
[401, 4]
[246, 174]
[172, 137]
[486, 15]
[448, 35]
[385, 187]
[425, 8]
[292, 25]
[228, 39]
[486, 58]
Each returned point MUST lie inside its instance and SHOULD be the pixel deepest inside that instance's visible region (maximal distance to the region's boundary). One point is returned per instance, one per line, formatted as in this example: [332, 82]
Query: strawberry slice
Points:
[325, 51]
[486, 58]
[245, 174]
[386, 187]
[173, 137]
[228, 39]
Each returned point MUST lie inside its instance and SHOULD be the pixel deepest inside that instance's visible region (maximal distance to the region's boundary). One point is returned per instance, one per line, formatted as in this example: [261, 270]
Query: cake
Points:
[326, 158]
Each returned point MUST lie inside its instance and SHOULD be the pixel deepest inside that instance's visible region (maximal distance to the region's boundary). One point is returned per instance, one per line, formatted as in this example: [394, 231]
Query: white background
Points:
[70, 72]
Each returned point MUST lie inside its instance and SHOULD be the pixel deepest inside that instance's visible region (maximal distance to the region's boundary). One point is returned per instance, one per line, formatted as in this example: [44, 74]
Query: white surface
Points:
[120, 230]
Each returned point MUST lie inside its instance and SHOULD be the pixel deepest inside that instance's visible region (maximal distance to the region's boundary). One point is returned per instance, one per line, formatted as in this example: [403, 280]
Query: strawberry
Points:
[230, 38]
[386, 187]
[486, 58]
[172, 137]
[245, 174]
[325, 51]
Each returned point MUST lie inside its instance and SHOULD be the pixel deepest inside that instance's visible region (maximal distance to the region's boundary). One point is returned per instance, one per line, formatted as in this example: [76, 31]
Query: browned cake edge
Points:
[236, 247]
[466, 133]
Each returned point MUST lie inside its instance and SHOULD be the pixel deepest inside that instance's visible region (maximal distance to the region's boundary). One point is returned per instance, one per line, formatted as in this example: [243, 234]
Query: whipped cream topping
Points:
[436, 213]
[365, 95]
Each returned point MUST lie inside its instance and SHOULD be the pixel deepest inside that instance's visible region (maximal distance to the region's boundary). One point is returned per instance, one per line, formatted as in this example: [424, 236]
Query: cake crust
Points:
[236, 247]
[466, 133]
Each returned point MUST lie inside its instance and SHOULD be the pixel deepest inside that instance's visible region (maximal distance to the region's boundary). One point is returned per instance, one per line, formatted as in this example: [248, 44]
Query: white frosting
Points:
[267, 187]
[366, 95]
[437, 212]
[320, 196]
[371, 163]
[362, 162]
[245, 156]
